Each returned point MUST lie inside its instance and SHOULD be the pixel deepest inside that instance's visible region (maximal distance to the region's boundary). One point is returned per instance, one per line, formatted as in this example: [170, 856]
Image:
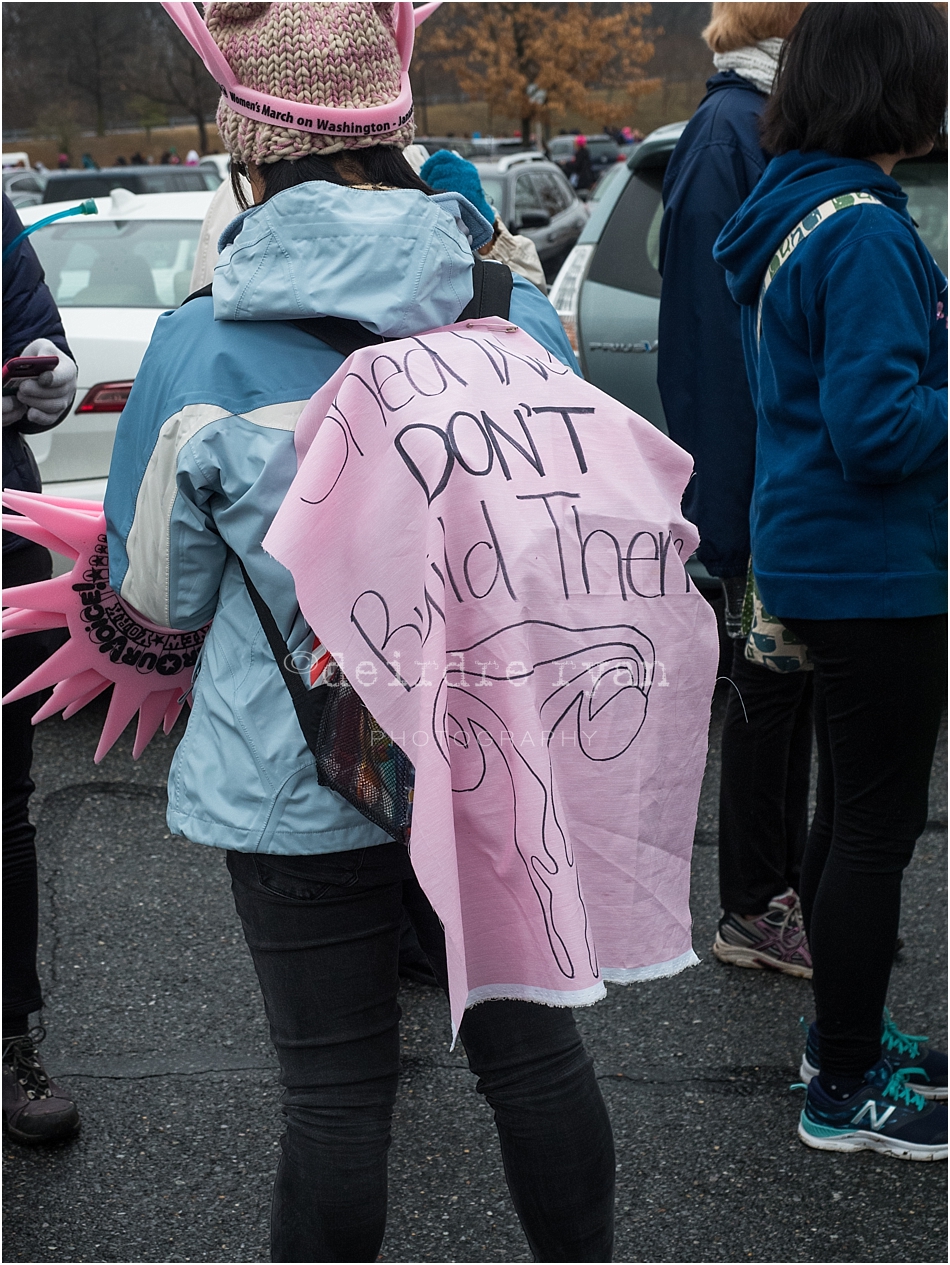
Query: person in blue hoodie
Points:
[844, 321]
[767, 729]
[204, 454]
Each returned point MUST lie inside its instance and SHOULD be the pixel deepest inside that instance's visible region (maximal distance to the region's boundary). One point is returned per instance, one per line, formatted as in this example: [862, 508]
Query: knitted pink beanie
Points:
[329, 54]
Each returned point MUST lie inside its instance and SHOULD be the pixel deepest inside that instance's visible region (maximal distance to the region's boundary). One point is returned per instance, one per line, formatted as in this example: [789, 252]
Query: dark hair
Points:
[380, 164]
[860, 79]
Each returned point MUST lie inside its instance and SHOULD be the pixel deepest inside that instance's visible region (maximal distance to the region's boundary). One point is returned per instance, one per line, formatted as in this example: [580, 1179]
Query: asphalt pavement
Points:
[156, 1023]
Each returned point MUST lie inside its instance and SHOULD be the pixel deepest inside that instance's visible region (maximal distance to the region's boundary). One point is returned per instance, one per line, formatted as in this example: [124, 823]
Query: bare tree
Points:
[92, 44]
[175, 73]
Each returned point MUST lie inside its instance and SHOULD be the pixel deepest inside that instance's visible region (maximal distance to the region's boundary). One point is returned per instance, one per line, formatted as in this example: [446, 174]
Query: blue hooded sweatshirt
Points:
[204, 454]
[849, 511]
[716, 164]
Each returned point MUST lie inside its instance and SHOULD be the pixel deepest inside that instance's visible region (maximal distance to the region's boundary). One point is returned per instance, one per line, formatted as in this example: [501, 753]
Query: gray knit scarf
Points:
[758, 63]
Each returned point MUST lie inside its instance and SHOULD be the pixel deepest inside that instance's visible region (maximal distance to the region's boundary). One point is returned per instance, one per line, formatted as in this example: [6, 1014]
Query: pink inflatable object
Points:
[149, 668]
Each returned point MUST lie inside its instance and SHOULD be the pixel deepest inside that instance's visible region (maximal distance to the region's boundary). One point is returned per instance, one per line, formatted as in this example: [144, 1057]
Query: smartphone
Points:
[20, 367]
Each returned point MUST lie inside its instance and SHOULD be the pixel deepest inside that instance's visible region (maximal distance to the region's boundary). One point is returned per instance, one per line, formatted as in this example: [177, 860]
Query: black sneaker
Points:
[925, 1070]
[35, 1108]
[885, 1115]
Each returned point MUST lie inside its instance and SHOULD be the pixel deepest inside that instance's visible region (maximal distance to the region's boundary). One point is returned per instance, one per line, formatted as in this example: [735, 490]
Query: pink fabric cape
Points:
[492, 549]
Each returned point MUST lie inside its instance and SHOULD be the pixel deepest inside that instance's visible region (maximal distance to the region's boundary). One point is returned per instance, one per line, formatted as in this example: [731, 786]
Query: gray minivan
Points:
[607, 294]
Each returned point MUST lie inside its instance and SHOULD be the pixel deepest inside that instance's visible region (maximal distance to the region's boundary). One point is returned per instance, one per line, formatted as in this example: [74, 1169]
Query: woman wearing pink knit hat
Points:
[316, 110]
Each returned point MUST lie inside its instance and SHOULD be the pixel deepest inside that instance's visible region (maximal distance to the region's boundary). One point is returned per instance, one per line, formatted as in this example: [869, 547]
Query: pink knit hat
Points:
[330, 55]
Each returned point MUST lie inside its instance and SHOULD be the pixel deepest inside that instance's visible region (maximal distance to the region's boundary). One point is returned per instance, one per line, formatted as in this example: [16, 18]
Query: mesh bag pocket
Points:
[360, 761]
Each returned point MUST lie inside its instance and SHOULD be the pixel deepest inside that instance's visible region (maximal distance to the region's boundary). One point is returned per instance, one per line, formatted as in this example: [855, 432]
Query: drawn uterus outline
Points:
[611, 673]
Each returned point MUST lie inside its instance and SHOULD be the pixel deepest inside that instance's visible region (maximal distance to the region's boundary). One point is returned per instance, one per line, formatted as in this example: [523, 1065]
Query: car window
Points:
[562, 146]
[563, 191]
[605, 150]
[604, 183]
[527, 195]
[113, 263]
[494, 192]
[25, 184]
[194, 181]
[549, 192]
[96, 185]
[926, 187]
[628, 252]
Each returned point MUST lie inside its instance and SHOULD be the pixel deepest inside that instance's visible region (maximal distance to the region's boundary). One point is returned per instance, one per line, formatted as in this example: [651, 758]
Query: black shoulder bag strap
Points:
[491, 296]
[491, 291]
[308, 704]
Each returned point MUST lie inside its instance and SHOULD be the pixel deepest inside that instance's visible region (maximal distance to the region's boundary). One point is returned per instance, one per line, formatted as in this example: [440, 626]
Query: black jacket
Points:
[29, 312]
[701, 371]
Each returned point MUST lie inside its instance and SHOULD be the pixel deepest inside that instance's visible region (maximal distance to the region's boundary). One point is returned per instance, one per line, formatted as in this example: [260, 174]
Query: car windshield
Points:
[926, 187]
[98, 185]
[606, 180]
[115, 263]
[493, 188]
[604, 149]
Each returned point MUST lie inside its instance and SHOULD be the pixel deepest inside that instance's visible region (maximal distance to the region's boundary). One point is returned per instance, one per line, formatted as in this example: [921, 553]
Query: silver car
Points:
[533, 197]
[24, 186]
[608, 292]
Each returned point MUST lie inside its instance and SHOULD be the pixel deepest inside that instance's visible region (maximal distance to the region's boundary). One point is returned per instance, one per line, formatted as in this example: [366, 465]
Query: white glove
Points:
[13, 410]
[49, 396]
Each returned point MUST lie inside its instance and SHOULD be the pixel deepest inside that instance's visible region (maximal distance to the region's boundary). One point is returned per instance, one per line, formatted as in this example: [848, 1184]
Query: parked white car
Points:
[112, 275]
[221, 163]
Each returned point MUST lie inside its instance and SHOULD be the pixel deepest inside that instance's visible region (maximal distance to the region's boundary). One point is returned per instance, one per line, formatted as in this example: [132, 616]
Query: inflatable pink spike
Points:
[151, 714]
[62, 664]
[80, 703]
[67, 692]
[45, 595]
[149, 667]
[62, 521]
[122, 707]
[21, 526]
[17, 620]
[172, 712]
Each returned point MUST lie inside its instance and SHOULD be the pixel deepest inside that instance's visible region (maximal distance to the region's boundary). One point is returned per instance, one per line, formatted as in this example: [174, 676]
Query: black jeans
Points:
[21, 656]
[324, 936]
[880, 686]
[763, 795]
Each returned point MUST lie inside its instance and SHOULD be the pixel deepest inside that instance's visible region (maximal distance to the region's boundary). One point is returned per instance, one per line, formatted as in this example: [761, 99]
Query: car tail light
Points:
[566, 291]
[106, 397]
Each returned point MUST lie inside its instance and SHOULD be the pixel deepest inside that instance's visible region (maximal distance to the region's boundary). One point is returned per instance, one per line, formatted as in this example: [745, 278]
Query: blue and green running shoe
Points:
[885, 1115]
[926, 1069]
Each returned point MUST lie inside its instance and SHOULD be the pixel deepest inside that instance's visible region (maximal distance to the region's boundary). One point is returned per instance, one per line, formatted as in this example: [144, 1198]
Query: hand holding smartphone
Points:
[20, 367]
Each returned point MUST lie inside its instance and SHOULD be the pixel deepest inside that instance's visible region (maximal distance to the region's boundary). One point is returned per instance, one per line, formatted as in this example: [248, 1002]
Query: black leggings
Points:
[763, 794]
[21, 655]
[880, 686]
[324, 936]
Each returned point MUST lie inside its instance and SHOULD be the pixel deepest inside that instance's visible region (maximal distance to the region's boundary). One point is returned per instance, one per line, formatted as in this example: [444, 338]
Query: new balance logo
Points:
[870, 1109]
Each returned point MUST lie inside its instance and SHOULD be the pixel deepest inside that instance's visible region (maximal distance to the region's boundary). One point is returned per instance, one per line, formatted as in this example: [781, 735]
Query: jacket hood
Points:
[792, 186]
[398, 261]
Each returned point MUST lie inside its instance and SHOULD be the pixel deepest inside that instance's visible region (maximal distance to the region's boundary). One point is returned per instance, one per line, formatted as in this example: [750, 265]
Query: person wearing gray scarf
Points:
[766, 742]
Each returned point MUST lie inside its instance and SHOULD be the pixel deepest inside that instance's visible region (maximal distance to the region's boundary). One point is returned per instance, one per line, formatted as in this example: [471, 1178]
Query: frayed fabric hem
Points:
[580, 996]
[545, 996]
[660, 970]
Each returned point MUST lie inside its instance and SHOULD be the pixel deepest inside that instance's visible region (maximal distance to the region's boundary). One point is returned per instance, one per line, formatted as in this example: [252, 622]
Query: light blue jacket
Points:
[204, 454]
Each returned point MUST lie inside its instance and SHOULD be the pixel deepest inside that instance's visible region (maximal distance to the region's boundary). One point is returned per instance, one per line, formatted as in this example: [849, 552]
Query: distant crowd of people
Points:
[169, 157]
